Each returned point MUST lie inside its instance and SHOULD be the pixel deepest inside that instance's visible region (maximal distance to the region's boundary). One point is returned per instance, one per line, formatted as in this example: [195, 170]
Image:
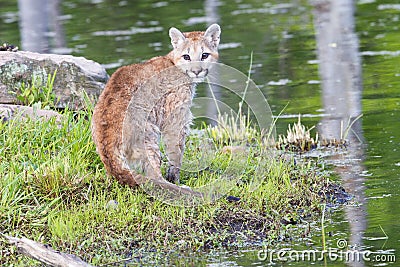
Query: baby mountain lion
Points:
[143, 102]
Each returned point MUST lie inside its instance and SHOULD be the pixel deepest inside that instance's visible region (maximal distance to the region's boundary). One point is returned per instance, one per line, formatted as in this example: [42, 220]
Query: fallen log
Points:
[9, 112]
[45, 254]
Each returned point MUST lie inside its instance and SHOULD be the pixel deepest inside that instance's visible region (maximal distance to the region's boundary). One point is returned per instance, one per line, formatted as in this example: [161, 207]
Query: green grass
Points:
[54, 189]
[37, 92]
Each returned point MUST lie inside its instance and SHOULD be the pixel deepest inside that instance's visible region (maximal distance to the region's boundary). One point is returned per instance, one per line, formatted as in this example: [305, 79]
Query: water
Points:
[281, 37]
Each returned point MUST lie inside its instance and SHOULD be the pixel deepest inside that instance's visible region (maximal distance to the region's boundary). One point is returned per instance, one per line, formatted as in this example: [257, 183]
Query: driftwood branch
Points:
[9, 112]
[45, 254]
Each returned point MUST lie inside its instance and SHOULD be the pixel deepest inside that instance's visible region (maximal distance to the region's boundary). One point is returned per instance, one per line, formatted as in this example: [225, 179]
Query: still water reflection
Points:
[40, 27]
[341, 82]
[307, 54]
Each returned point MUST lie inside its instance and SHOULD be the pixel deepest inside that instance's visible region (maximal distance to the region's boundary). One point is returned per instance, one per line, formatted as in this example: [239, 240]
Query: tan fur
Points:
[142, 102]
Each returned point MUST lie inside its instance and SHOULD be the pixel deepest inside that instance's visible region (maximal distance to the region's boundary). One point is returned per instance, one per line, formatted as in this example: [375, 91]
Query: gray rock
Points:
[75, 76]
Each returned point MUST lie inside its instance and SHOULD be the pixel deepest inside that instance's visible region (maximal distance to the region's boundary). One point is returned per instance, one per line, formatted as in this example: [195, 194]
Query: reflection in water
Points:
[41, 30]
[340, 63]
[340, 71]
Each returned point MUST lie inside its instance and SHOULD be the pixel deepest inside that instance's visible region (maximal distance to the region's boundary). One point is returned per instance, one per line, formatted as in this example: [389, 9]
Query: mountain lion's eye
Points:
[204, 56]
[186, 57]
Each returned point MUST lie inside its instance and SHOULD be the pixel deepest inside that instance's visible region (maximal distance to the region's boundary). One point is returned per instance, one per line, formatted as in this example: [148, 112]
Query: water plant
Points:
[297, 138]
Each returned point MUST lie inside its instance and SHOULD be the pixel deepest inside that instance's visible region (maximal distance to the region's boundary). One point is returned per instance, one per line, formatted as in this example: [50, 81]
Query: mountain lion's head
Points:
[194, 51]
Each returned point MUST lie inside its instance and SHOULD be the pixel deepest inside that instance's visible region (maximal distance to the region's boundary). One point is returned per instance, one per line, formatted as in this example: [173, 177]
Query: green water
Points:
[281, 37]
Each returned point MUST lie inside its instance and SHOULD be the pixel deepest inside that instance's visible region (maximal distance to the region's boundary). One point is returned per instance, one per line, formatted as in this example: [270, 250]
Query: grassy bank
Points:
[54, 189]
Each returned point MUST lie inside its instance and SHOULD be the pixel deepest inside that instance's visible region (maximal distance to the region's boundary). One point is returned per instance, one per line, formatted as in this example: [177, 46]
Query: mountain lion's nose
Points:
[197, 71]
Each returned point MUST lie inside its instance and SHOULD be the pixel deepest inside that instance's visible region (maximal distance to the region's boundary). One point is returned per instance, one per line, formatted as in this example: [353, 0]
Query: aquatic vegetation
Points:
[298, 139]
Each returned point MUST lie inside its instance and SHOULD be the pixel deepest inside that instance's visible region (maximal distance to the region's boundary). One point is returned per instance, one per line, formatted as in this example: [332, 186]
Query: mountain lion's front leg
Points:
[153, 155]
[174, 134]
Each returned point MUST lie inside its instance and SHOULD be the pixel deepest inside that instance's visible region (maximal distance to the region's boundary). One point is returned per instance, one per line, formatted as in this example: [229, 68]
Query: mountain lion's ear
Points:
[212, 34]
[176, 37]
